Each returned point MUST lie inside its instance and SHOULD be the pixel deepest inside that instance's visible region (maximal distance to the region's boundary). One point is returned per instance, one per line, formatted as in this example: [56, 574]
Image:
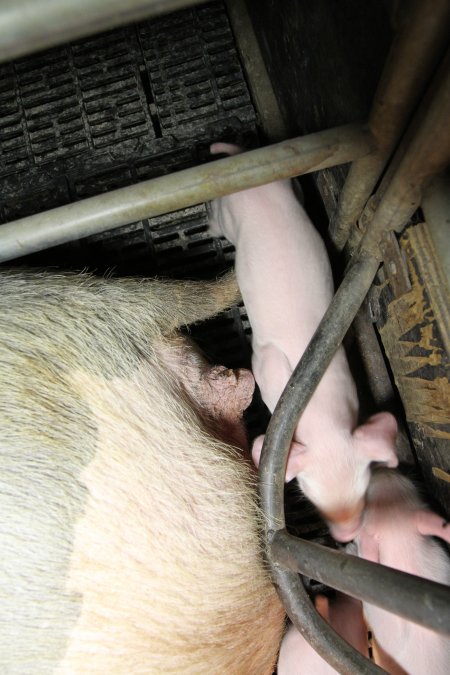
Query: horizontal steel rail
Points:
[420, 600]
[181, 189]
[28, 26]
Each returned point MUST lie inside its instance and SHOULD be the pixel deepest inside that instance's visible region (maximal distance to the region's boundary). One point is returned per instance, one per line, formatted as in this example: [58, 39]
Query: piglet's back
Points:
[394, 534]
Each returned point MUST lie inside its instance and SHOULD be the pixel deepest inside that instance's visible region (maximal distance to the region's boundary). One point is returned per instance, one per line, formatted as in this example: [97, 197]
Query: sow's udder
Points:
[220, 394]
[227, 393]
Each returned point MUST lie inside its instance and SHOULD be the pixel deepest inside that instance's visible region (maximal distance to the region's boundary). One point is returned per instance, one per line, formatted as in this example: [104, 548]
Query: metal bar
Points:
[272, 468]
[415, 599]
[182, 189]
[30, 25]
[334, 649]
[303, 383]
[425, 153]
[380, 384]
[414, 54]
[258, 80]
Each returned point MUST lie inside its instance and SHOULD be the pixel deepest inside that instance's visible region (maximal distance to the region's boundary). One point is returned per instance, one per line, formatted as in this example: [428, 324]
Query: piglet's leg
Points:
[432, 525]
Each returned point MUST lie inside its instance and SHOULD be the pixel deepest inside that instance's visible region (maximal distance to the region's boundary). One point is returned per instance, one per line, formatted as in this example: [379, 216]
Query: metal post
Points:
[414, 55]
[30, 25]
[182, 189]
[424, 153]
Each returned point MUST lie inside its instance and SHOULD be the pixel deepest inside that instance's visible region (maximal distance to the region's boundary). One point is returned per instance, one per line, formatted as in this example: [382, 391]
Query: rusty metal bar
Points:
[30, 25]
[414, 55]
[424, 154]
[420, 600]
[181, 189]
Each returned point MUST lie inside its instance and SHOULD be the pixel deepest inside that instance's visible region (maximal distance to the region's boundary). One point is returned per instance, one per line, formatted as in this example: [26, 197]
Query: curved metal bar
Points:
[420, 600]
[334, 649]
[274, 454]
[302, 384]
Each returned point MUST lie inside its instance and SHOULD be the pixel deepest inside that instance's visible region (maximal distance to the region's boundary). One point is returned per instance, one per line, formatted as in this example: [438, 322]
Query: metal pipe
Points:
[334, 649]
[381, 389]
[415, 599]
[182, 189]
[414, 55]
[303, 383]
[424, 154]
[272, 468]
[30, 25]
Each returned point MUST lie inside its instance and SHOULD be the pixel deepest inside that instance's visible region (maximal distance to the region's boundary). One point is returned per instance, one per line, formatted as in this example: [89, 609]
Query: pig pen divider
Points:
[425, 152]
[422, 601]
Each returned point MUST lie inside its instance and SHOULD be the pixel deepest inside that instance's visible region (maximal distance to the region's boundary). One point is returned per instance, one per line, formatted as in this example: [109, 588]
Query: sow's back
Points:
[129, 532]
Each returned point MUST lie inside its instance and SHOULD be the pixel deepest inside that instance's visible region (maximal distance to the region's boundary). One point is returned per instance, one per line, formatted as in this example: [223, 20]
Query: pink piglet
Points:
[396, 531]
[285, 279]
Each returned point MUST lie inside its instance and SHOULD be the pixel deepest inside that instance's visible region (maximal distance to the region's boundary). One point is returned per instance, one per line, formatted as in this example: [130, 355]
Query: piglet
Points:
[397, 530]
[344, 614]
[285, 279]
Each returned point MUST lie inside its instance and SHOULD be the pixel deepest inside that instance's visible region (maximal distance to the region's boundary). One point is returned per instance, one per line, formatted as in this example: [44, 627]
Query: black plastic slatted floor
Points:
[122, 107]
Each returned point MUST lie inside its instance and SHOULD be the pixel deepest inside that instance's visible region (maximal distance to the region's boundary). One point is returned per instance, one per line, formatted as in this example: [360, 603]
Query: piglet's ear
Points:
[375, 439]
[295, 459]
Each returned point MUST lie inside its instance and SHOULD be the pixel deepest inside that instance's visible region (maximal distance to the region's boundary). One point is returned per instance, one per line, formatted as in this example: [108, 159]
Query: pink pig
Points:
[285, 279]
[396, 532]
[344, 614]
